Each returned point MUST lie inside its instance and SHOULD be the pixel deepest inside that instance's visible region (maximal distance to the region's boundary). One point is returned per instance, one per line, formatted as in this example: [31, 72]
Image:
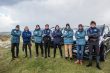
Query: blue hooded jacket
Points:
[26, 35]
[15, 36]
[68, 36]
[57, 36]
[80, 37]
[37, 35]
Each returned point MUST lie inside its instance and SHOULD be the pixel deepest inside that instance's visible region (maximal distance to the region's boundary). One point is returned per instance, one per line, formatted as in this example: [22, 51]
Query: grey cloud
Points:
[31, 12]
[12, 2]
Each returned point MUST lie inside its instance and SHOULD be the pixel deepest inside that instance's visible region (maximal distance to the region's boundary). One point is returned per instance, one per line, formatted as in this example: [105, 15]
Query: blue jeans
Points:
[80, 51]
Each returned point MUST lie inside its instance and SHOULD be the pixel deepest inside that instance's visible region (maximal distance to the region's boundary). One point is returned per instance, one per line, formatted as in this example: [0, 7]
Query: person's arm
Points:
[40, 33]
[12, 32]
[65, 33]
[35, 33]
[28, 34]
[50, 34]
[15, 33]
[53, 34]
[23, 35]
[18, 33]
[59, 33]
[97, 34]
[89, 34]
[76, 35]
[43, 33]
[82, 35]
[70, 33]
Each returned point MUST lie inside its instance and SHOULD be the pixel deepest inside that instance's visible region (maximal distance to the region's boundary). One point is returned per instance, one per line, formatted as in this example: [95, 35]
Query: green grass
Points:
[49, 65]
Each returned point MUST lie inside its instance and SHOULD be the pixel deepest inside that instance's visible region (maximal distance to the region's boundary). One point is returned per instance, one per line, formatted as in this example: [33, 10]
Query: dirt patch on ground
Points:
[5, 41]
[4, 37]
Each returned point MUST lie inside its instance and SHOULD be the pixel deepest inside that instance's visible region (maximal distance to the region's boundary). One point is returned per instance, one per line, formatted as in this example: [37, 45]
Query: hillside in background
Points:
[4, 33]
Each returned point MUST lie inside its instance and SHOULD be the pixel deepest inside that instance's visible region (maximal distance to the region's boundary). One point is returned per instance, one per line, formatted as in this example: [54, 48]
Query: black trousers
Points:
[37, 45]
[55, 47]
[25, 45]
[47, 48]
[47, 42]
[94, 47]
[15, 49]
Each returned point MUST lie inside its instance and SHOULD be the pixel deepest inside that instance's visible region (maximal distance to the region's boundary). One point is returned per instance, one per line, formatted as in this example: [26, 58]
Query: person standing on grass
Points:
[68, 41]
[93, 34]
[15, 40]
[47, 40]
[80, 41]
[38, 40]
[26, 35]
[57, 40]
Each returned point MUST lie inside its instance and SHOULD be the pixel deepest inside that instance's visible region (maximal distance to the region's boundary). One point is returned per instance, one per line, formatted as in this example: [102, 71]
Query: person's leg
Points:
[12, 50]
[36, 45]
[25, 48]
[41, 46]
[78, 54]
[97, 50]
[29, 46]
[60, 49]
[90, 55]
[66, 51]
[17, 50]
[81, 54]
[49, 49]
[45, 48]
[70, 51]
[54, 50]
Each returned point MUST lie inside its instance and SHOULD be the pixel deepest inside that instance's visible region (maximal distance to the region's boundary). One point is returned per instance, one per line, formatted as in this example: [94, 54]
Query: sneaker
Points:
[81, 62]
[66, 58]
[89, 65]
[77, 62]
[25, 57]
[98, 67]
[12, 59]
[71, 59]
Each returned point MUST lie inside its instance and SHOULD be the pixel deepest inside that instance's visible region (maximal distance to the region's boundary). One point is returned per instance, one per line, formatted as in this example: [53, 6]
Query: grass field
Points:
[49, 65]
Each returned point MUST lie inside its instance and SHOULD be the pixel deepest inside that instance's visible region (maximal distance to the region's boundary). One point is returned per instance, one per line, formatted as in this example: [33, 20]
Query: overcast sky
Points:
[53, 12]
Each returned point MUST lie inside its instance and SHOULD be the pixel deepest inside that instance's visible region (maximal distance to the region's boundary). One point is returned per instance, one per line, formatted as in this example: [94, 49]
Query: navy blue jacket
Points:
[93, 33]
[46, 32]
[57, 36]
[26, 35]
[46, 35]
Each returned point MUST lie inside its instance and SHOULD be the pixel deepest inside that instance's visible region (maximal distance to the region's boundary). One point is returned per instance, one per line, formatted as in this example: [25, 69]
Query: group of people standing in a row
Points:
[43, 39]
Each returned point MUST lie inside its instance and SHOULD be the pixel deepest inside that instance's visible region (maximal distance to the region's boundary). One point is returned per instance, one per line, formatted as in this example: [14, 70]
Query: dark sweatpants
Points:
[15, 49]
[55, 47]
[94, 46]
[37, 45]
[25, 45]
